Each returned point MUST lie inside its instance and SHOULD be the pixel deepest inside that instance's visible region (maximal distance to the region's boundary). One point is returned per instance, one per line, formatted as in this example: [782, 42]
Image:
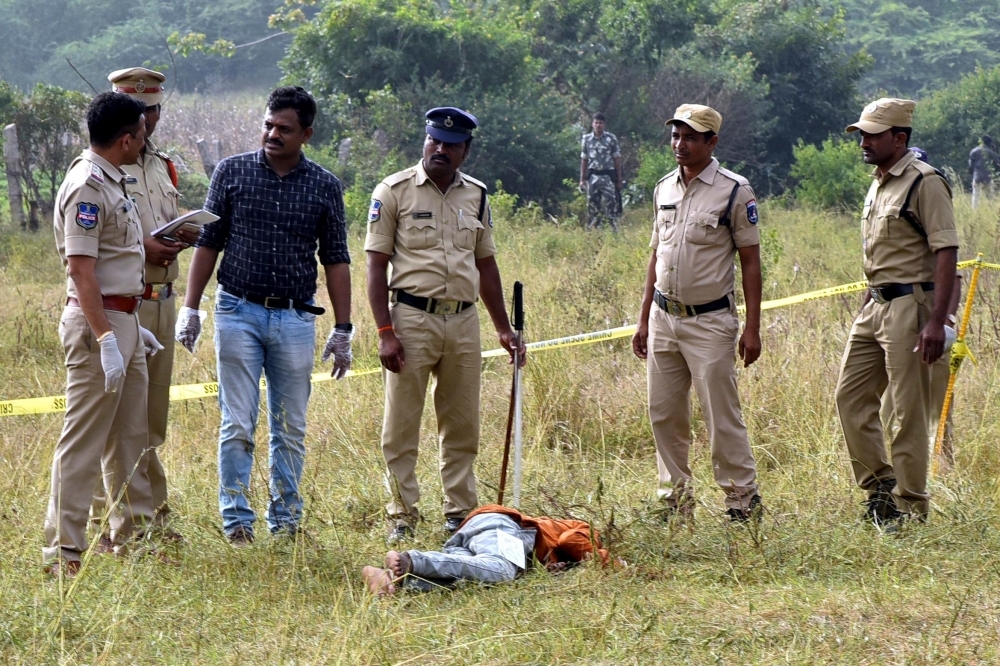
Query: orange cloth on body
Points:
[556, 540]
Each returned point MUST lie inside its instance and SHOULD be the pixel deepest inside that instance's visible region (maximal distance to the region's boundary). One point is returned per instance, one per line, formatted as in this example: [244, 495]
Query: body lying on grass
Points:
[476, 552]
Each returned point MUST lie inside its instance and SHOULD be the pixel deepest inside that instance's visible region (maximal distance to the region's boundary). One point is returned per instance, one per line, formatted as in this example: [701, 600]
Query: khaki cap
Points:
[699, 118]
[143, 84]
[883, 114]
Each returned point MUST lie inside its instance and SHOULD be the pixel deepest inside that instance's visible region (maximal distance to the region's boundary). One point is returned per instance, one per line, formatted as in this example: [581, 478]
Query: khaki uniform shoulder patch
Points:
[669, 175]
[474, 181]
[400, 177]
[732, 175]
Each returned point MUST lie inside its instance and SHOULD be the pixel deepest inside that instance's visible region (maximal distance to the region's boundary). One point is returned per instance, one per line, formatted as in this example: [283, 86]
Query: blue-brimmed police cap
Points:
[451, 125]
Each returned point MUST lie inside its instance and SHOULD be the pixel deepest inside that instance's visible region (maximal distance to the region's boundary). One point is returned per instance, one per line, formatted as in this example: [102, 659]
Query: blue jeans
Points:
[250, 338]
[471, 554]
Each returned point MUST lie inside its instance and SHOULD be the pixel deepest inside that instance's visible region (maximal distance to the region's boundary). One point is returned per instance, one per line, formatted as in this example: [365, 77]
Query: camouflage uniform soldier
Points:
[601, 174]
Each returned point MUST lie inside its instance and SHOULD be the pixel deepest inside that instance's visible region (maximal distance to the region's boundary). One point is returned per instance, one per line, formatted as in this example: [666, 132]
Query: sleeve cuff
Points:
[747, 237]
[939, 240]
[81, 246]
[339, 258]
[379, 243]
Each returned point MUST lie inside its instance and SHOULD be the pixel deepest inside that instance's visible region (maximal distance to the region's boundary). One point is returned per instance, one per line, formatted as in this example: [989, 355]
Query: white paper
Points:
[511, 548]
[192, 221]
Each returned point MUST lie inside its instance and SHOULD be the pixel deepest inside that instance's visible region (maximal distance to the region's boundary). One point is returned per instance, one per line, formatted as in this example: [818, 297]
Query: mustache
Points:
[275, 142]
[441, 158]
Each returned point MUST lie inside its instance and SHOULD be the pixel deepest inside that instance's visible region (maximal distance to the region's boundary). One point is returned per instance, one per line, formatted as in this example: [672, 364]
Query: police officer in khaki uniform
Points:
[688, 331]
[432, 224]
[152, 185]
[99, 238]
[910, 249]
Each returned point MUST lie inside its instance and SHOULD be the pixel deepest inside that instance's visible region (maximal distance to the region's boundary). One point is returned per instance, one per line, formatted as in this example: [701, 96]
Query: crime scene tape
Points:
[51, 404]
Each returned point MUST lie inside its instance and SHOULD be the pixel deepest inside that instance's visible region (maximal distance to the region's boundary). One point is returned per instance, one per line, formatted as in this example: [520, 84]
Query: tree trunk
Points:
[12, 159]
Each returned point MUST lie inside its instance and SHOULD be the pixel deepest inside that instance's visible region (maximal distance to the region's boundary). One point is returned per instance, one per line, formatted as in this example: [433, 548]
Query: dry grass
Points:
[810, 585]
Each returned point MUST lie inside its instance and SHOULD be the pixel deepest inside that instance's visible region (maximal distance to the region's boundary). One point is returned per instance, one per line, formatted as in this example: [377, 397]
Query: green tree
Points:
[812, 82]
[49, 135]
[948, 123]
[831, 176]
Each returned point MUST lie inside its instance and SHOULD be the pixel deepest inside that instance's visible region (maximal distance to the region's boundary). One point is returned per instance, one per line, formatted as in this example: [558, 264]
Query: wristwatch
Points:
[347, 328]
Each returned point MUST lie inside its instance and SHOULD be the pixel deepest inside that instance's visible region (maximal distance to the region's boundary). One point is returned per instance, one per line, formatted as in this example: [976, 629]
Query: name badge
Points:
[668, 207]
[423, 215]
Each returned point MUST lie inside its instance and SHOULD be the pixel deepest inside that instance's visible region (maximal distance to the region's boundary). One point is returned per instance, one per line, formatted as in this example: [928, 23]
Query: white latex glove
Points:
[188, 327]
[149, 341]
[339, 345]
[113, 364]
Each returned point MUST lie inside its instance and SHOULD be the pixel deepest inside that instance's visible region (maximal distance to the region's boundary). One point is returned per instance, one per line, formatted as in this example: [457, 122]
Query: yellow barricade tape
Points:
[52, 404]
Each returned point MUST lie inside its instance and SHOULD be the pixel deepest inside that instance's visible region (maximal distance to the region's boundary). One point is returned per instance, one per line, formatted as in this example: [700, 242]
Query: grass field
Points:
[811, 584]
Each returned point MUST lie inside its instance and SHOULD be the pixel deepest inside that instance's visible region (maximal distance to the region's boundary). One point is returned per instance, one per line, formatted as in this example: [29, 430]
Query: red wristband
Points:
[384, 328]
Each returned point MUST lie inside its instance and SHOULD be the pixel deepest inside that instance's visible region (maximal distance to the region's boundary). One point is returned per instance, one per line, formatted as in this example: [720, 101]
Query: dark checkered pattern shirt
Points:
[269, 227]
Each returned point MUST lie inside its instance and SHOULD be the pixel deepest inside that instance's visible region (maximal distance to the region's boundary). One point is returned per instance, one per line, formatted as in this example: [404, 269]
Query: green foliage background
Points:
[783, 73]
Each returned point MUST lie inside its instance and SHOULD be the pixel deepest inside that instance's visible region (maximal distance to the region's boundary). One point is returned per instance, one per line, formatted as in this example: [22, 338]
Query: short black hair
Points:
[294, 97]
[600, 116]
[905, 130]
[987, 140]
[110, 115]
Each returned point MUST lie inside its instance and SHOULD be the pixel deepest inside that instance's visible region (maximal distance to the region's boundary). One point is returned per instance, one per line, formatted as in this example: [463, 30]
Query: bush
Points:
[833, 177]
[654, 164]
[193, 187]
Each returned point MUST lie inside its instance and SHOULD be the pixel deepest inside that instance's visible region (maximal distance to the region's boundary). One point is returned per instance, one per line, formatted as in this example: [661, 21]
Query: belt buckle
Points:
[675, 308]
[275, 303]
[446, 307]
[877, 296]
[157, 292]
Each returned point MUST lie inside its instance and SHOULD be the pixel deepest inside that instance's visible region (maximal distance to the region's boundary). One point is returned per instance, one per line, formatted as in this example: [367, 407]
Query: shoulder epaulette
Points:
[96, 177]
[400, 177]
[732, 175]
[923, 169]
[672, 173]
[474, 181]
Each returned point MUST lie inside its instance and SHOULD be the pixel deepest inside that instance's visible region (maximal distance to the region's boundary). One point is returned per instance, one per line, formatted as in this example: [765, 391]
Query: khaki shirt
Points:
[894, 252]
[154, 194]
[94, 218]
[433, 239]
[694, 253]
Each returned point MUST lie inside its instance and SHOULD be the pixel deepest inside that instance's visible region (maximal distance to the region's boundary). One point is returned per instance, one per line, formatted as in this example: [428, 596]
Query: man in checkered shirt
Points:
[275, 208]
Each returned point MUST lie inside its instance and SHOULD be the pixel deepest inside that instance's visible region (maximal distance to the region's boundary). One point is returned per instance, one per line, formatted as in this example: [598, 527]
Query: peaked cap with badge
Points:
[698, 117]
[883, 114]
[140, 83]
[451, 125]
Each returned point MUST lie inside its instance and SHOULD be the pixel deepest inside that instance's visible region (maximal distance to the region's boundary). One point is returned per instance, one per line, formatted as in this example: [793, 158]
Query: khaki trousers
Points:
[940, 375]
[699, 350]
[158, 317]
[447, 348]
[879, 357]
[101, 431]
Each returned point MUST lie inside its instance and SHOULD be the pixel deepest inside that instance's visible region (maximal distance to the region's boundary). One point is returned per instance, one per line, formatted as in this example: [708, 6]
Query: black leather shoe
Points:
[399, 533]
[754, 511]
[880, 507]
[451, 524]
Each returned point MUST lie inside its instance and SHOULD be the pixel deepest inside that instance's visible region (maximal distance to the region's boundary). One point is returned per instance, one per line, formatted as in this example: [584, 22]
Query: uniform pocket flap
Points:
[706, 220]
[422, 222]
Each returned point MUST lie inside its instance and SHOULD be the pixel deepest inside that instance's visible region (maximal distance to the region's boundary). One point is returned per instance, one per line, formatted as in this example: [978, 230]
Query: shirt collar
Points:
[707, 174]
[113, 172]
[897, 169]
[422, 176]
[298, 167]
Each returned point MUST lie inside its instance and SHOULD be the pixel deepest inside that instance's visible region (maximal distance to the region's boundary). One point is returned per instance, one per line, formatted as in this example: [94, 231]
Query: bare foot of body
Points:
[398, 563]
[379, 581]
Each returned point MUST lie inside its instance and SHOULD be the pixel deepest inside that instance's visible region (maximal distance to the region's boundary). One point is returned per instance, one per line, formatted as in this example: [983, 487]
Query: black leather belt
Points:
[276, 303]
[601, 172]
[431, 305]
[681, 310]
[886, 292]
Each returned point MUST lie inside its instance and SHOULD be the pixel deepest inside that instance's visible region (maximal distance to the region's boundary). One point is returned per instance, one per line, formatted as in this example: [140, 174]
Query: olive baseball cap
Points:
[883, 114]
[697, 117]
[140, 83]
